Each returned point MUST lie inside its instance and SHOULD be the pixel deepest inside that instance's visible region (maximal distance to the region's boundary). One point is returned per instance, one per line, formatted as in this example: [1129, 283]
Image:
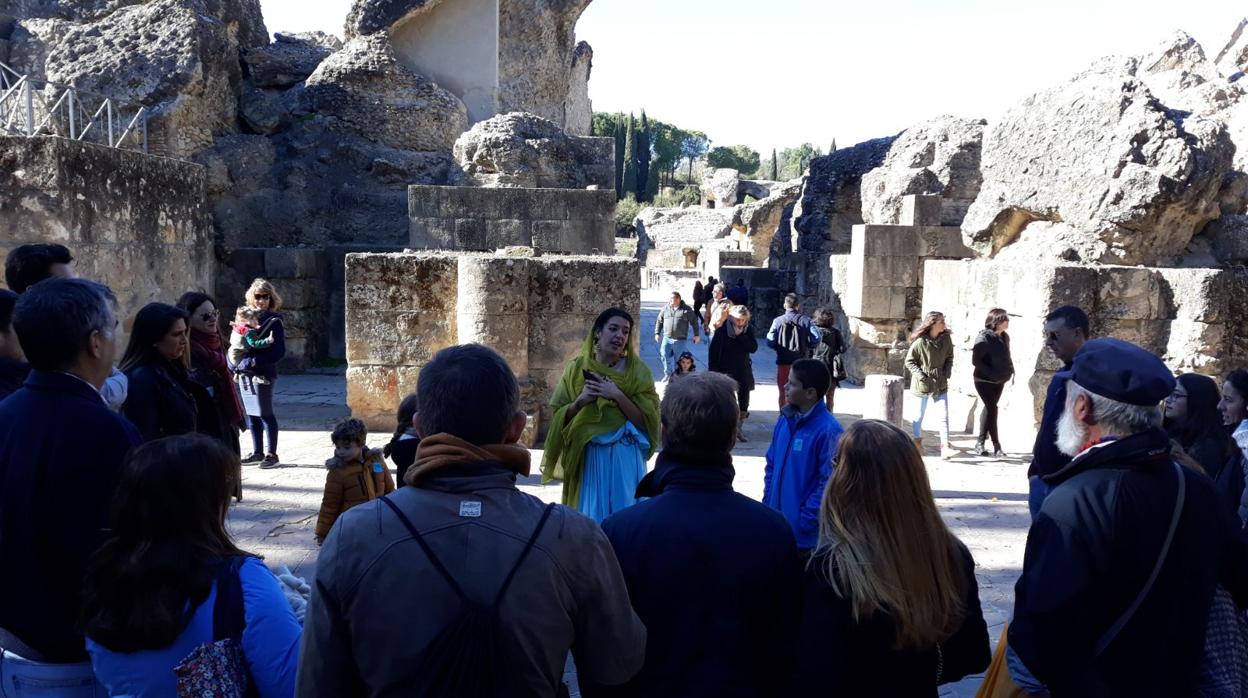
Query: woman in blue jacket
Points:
[154, 588]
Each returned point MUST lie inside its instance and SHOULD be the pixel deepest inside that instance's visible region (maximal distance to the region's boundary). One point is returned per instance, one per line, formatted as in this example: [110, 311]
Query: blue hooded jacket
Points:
[799, 463]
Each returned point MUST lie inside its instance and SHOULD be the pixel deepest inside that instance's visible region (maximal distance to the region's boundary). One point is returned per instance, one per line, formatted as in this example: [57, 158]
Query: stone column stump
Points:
[885, 398]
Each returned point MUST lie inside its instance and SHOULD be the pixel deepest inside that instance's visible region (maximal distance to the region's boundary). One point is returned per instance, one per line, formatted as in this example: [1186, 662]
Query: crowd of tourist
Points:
[120, 577]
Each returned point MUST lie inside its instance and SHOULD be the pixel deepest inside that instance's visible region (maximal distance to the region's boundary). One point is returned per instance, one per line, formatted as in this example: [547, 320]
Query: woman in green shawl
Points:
[606, 421]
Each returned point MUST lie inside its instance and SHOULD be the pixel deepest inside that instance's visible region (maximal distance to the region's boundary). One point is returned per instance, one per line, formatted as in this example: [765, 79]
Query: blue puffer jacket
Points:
[799, 463]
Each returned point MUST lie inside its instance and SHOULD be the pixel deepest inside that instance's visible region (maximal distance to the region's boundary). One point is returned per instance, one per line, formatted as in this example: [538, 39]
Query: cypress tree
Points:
[630, 160]
[643, 158]
[619, 156]
[775, 167]
[833, 148]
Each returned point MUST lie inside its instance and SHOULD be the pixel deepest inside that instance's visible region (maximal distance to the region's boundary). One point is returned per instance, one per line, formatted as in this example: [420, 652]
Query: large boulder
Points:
[758, 222]
[365, 91]
[1103, 160]
[1232, 60]
[578, 112]
[290, 59]
[831, 200]
[721, 186]
[537, 44]
[524, 150]
[243, 17]
[938, 157]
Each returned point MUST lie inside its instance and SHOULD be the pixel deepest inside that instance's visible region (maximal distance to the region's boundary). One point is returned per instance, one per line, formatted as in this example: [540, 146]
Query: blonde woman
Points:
[257, 372]
[890, 607]
[731, 346]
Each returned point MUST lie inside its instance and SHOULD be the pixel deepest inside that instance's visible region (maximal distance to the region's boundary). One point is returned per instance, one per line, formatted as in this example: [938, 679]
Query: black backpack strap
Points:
[437, 564]
[524, 554]
[228, 615]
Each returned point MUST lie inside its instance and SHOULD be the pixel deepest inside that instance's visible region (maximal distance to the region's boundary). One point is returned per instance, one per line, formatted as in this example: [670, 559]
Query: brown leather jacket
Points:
[351, 485]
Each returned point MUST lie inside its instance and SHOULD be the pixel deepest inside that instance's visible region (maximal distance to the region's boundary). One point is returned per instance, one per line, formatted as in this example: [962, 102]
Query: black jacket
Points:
[164, 401]
[991, 357]
[838, 656]
[731, 355]
[1090, 552]
[1045, 456]
[714, 576]
[12, 375]
[61, 451]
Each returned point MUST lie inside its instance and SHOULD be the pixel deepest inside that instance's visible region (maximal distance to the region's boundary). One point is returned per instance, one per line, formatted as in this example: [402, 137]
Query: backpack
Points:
[829, 350]
[794, 339]
[466, 659]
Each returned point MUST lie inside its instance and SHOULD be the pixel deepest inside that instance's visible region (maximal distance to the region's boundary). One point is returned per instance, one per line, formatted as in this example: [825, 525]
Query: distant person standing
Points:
[1065, 331]
[671, 332]
[209, 367]
[729, 354]
[993, 369]
[930, 362]
[716, 310]
[830, 349]
[13, 366]
[1193, 421]
[699, 299]
[791, 336]
[257, 375]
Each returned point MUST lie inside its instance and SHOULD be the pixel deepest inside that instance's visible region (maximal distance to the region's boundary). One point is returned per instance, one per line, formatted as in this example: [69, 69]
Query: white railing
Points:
[33, 108]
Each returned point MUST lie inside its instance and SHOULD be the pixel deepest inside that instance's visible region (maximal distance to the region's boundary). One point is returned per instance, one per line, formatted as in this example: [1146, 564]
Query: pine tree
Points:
[775, 166]
[643, 158]
[630, 160]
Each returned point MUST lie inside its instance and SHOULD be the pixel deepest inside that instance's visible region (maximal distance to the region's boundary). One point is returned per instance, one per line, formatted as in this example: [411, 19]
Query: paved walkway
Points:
[984, 501]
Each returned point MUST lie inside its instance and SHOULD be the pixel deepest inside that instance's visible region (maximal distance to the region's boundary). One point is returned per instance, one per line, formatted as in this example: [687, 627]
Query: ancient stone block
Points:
[293, 263]
[372, 388]
[920, 210]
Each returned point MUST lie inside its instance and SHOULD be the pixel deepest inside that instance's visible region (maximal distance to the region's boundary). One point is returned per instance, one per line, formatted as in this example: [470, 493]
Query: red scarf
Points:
[208, 356]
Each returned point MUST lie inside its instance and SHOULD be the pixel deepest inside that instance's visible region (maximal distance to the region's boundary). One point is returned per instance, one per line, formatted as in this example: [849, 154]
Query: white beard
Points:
[1071, 435]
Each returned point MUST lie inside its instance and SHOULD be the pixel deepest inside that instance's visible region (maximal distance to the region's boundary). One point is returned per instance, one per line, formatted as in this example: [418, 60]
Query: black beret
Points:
[1121, 371]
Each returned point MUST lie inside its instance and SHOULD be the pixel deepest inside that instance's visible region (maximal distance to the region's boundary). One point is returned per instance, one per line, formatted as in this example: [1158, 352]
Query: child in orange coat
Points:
[357, 474]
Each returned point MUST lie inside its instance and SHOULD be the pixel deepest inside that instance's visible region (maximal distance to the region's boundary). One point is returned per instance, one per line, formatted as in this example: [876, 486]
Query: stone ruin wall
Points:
[136, 223]
[535, 311]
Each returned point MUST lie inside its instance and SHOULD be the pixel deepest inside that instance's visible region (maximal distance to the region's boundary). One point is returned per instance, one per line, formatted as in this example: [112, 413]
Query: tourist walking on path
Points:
[729, 354]
[257, 373]
[1192, 420]
[26, 266]
[400, 573]
[791, 336]
[716, 310]
[13, 366]
[61, 451]
[890, 606]
[699, 299]
[1123, 559]
[930, 363]
[606, 421]
[803, 446]
[671, 332]
[830, 349]
[171, 580]
[401, 450]
[209, 367]
[994, 367]
[1234, 408]
[356, 474]
[1065, 331]
[698, 550]
[163, 399]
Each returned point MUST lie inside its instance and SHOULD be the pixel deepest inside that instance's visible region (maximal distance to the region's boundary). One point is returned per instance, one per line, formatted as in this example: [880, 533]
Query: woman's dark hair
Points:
[1203, 420]
[407, 412]
[605, 316]
[824, 318]
[996, 318]
[193, 299]
[168, 529]
[928, 320]
[8, 299]
[1239, 381]
[151, 324]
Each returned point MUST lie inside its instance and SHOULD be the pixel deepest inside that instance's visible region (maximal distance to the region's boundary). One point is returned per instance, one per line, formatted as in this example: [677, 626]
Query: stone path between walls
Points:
[984, 501]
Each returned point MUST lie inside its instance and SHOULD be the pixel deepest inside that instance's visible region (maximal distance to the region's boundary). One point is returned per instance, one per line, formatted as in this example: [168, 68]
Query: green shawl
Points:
[566, 441]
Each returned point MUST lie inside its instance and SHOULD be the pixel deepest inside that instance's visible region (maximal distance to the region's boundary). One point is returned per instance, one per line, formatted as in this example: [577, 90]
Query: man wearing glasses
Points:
[1065, 331]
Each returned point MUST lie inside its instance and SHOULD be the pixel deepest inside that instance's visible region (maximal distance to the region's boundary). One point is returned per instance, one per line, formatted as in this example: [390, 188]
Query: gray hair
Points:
[700, 414]
[55, 319]
[1116, 418]
[719, 287]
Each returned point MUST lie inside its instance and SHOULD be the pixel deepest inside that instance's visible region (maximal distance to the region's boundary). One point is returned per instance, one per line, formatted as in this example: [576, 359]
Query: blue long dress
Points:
[614, 464]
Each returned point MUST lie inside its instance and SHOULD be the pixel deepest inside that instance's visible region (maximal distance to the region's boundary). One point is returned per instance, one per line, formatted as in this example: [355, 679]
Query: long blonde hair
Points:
[263, 286]
[887, 549]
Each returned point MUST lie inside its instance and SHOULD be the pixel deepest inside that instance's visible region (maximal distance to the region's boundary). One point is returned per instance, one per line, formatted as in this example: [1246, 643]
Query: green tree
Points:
[665, 144]
[738, 157]
[629, 187]
[643, 159]
[797, 160]
[775, 166]
[694, 145]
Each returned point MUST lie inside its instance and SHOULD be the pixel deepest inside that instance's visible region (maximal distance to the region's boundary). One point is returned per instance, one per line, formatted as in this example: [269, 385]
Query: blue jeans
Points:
[23, 678]
[671, 349]
[941, 401]
[1036, 492]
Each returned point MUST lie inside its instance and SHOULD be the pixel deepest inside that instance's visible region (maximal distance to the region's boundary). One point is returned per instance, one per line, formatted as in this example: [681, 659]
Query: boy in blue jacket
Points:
[803, 446]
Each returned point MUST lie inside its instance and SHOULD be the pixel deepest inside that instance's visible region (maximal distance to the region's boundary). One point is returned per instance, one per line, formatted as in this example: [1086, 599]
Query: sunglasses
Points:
[209, 316]
[262, 296]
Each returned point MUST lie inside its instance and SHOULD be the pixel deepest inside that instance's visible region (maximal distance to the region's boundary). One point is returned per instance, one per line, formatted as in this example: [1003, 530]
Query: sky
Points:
[777, 73]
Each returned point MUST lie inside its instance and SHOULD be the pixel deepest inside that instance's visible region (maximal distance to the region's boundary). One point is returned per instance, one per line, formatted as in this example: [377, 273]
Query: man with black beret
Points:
[1124, 554]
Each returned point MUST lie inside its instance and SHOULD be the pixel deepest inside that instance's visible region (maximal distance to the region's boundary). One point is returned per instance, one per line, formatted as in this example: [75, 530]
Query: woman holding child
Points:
[606, 421]
[256, 369]
[162, 399]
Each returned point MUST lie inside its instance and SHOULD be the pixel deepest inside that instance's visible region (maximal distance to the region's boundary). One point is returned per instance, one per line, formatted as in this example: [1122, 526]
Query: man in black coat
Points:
[713, 574]
[1065, 331]
[61, 452]
[1123, 557]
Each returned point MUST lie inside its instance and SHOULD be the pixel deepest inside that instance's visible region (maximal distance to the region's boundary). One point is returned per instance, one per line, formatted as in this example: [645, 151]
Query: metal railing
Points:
[34, 108]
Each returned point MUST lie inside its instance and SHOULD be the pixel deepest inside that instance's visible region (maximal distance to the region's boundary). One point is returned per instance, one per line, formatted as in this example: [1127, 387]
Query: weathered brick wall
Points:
[571, 221]
[137, 223]
[403, 308]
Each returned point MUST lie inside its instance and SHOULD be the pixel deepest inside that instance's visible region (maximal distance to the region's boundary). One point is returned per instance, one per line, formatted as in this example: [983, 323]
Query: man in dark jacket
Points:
[61, 452]
[380, 601]
[13, 366]
[713, 574]
[791, 336]
[1122, 560]
[1065, 331]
